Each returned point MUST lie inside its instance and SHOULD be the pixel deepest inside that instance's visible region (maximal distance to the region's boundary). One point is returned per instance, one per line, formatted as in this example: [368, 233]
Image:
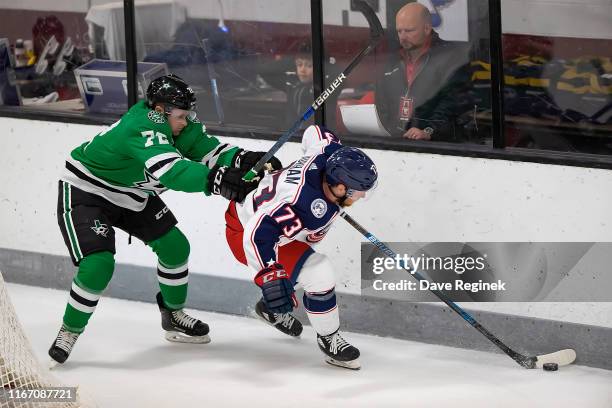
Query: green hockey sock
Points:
[95, 271]
[172, 250]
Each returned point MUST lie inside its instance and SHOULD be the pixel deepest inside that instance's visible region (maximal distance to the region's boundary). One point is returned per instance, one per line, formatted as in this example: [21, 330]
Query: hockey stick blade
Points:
[376, 34]
[561, 357]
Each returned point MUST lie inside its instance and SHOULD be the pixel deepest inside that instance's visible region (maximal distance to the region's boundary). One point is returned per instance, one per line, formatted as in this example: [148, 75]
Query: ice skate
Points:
[284, 322]
[63, 344]
[338, 351]
[180, 327]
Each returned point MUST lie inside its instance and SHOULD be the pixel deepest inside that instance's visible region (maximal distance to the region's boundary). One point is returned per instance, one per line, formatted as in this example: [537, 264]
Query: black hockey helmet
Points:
[171, 90]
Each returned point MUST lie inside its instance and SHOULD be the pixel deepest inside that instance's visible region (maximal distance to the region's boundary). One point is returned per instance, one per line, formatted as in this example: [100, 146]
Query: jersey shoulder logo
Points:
[318, 208]
[156, 117]
[313, 166]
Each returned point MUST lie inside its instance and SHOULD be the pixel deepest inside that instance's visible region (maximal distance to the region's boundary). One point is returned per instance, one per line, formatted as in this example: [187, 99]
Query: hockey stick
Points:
[376, 33]
[561, 357]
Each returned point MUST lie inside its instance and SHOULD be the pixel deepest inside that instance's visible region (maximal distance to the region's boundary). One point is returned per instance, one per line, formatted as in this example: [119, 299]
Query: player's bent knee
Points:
[96, 270]
[172, 248]
[317, 274]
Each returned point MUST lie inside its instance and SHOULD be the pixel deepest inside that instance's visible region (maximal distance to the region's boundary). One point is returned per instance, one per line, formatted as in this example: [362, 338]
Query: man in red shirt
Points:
[412, 97]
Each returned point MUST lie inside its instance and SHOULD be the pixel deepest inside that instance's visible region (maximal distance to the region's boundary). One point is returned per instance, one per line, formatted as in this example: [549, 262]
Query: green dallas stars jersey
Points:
[138, 156]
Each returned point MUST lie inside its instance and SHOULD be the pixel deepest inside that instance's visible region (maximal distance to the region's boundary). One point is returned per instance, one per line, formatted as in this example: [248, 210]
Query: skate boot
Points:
[284, 322]
[63, 344]
[338, 351]
[180, 327]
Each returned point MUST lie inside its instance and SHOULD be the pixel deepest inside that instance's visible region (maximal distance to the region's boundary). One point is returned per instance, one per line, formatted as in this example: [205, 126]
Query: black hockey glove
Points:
[245, 160]
[277, 289]
[228, 183]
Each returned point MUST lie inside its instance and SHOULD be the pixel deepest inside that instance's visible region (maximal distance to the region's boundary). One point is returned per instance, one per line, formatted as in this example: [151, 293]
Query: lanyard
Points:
[410, 71]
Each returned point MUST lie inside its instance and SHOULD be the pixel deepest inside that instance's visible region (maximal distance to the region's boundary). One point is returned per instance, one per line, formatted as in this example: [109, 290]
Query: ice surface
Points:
[122, 360]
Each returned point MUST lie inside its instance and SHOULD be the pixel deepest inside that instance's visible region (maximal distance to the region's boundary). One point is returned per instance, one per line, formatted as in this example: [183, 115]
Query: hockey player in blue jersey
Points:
[274, 229]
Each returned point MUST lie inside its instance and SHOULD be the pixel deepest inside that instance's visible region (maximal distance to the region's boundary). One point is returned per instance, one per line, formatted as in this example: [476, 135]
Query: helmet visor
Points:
[180, 114]
[358, 195]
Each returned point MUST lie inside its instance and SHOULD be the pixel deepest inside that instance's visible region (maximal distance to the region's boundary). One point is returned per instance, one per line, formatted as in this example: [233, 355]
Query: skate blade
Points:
[263, 319]
[178, 337]
[52, 364]
[351, 365]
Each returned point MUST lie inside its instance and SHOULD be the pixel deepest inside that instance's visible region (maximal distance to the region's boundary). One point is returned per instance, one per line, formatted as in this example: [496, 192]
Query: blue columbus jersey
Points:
[289, 204]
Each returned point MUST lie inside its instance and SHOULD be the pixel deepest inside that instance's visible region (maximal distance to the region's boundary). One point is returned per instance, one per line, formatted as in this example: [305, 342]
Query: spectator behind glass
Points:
[295, 78]
[416, 97]
[300, 94]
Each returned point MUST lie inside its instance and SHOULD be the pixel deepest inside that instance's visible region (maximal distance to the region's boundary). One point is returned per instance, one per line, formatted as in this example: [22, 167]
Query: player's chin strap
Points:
[341, 199]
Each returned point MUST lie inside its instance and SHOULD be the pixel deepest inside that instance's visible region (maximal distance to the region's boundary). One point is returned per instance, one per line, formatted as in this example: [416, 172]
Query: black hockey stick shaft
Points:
[527, 362]
[376, 33]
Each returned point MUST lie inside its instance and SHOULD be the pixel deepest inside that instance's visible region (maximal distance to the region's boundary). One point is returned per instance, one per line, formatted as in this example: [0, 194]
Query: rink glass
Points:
[558, 71]
[236, 59]
[55, 43]
[463, 23]
[557, 66]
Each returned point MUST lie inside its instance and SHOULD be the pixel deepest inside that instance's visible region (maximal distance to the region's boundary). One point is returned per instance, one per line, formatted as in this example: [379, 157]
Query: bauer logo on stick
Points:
[330, 89]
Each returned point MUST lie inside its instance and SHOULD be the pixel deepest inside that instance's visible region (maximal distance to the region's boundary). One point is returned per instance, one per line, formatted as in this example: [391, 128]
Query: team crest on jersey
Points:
[99, 228]
[150, 184]
[156, 117]
[318, 208]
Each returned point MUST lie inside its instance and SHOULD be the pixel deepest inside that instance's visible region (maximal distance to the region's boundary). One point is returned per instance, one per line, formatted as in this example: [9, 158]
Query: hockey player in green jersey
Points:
[115, 180]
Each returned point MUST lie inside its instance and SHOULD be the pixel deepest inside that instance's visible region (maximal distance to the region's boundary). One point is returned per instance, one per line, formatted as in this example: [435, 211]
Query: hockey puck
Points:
[550, 367]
